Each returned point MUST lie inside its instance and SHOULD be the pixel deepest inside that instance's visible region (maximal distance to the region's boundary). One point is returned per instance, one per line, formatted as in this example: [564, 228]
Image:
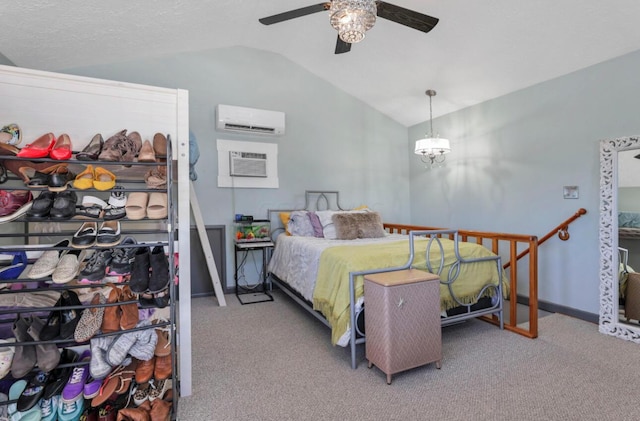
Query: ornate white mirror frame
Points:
[609, 265]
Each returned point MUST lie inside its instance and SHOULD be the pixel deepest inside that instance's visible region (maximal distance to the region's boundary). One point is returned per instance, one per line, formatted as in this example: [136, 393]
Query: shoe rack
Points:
[84, 106]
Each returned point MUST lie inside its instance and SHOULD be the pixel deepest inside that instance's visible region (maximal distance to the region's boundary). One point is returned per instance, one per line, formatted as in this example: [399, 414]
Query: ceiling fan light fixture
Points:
[352, 18]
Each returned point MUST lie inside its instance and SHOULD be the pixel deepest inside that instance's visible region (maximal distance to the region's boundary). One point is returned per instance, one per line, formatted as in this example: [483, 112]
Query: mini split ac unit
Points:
[242, 119]
[247, 164]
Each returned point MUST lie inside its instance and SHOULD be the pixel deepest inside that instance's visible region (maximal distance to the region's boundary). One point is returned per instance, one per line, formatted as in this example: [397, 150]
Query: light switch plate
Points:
[571, 192]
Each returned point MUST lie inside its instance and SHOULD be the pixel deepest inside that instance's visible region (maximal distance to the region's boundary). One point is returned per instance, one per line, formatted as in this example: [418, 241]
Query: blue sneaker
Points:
[49, 408]
[70, 411]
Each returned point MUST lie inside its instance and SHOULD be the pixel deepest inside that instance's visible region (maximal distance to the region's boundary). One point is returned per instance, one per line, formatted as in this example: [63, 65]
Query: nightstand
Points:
[261, 292]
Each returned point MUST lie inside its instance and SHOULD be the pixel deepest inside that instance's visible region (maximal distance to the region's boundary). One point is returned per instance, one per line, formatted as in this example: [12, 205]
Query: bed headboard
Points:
[314, 200]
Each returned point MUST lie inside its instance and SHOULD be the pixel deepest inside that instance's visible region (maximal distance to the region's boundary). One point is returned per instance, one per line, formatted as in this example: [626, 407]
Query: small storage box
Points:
[402, 320]
[257, 230]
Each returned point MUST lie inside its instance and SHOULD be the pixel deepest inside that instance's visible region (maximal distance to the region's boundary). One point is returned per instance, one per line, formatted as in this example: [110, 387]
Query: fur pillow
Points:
[352, 225]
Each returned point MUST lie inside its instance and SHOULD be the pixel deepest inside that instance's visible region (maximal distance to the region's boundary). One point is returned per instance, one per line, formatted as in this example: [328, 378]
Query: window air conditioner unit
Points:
[252, 120]
[247, 164]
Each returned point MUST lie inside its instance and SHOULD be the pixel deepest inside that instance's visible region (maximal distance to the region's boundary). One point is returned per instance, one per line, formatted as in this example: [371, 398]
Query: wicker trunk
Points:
[402, 320]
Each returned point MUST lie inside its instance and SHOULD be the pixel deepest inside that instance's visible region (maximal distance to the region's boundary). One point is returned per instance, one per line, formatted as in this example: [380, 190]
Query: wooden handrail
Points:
[562, 230]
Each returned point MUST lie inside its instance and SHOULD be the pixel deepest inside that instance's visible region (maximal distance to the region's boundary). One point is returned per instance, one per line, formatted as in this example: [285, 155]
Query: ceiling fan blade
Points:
[342, 47]
[292, 14]
[406, 17]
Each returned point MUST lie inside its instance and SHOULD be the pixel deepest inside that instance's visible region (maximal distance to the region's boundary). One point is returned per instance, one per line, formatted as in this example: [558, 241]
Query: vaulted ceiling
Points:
[479, 50]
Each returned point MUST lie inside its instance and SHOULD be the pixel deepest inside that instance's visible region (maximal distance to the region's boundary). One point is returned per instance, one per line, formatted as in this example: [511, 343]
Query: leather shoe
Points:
[160, 410]
[64, 206]
[133, 414]
[41, 206]
[39, 148]
[111, 318]
[85, 236]
[129, 315]
[163, 368]
[92, 150]
[61, 148]
[47, 354]
[144, 370]
[60, 178]
[51, 328]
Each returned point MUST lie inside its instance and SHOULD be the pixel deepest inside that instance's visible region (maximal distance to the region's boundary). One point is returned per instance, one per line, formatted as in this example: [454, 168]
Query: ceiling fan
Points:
[352, 18]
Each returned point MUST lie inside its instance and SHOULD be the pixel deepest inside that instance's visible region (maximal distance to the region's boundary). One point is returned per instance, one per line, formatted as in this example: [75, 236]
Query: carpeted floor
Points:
[274, 361]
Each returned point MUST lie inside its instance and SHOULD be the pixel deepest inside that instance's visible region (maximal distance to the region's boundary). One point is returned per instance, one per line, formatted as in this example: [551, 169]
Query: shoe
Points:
[156, 300]
[91, 387]
[118, 381]
[146, 153]
[74, 388]
[156, 178]
[92, 150]
[112, 214]
[129, 315]
[120, 147]
[123, 258]
[144, 371]
[24, 358]
[14, 204]
[11, 134]
[159, 270]
[99, 368]
[64, 206]
[6, 357]
[91, 208]
[96, 267]
[90, 320]
[109, 234]
[160, 145]
[48, 261]
[141, 393]
[47, 354]
[36, 175]
[136, 207]
[68, 266]
[103, 179]
[84, 180]
[111, 319]
[69, 317]
[41, 206]
[140, 276]
[18, 264]
[117, 197]
[51, 328]
[60, 376]
[161, 388]
[33, 392]
[61, 148]
[136, 142]
[163, 346]
[14, 393]
[60, 178]
[39, 148]
[157, 206]
[49, 408]
[163, 368]
[86, 235]
[70, 411]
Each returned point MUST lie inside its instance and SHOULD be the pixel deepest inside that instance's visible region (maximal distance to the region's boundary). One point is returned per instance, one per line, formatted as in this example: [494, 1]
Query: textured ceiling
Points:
[479, 50]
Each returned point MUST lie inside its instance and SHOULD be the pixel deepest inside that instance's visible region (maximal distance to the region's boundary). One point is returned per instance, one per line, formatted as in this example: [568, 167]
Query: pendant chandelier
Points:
[432, 148]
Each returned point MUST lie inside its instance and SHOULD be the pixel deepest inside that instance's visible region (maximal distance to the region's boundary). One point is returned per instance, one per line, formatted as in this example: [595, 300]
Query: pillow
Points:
[284, 218]
[300, 225]
[315, 223]
[328, 229]
[352, 225]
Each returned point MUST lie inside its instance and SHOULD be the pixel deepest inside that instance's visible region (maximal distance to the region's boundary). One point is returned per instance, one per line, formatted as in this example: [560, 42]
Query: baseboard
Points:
[557, 308]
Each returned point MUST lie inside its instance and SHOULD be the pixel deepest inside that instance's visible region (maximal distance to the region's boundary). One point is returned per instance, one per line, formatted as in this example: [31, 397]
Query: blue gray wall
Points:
[333, 141]
[511, 157]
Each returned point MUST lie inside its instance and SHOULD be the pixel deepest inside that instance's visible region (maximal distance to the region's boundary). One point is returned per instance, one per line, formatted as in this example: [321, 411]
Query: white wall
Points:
[510, 158]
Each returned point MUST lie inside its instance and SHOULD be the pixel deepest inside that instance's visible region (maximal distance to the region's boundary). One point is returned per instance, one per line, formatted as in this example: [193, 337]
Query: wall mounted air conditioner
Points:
[252, 120]
[247, 164]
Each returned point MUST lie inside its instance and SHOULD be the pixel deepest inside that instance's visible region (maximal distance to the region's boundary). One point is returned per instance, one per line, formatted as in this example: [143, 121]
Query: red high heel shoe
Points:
[62, 148]
[39, 148]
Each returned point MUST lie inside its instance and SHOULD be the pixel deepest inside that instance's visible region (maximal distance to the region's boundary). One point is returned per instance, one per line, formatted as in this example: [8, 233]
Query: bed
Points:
[629, 225]
[321, 265]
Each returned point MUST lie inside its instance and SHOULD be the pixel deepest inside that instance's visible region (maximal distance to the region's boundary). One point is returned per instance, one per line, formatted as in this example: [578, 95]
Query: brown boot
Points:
[160, 410]
[133, 414]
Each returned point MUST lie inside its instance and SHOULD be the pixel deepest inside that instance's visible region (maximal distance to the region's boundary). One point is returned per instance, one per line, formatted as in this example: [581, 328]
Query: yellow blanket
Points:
[331, 294]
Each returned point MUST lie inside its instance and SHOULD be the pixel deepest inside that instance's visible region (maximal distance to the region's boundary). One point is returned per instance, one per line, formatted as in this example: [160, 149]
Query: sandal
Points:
[11, 134]
[136, 207]
[118, 382]
[157, 206]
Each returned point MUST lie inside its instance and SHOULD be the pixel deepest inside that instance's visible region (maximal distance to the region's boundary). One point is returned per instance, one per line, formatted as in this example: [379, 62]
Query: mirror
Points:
[619, 233]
